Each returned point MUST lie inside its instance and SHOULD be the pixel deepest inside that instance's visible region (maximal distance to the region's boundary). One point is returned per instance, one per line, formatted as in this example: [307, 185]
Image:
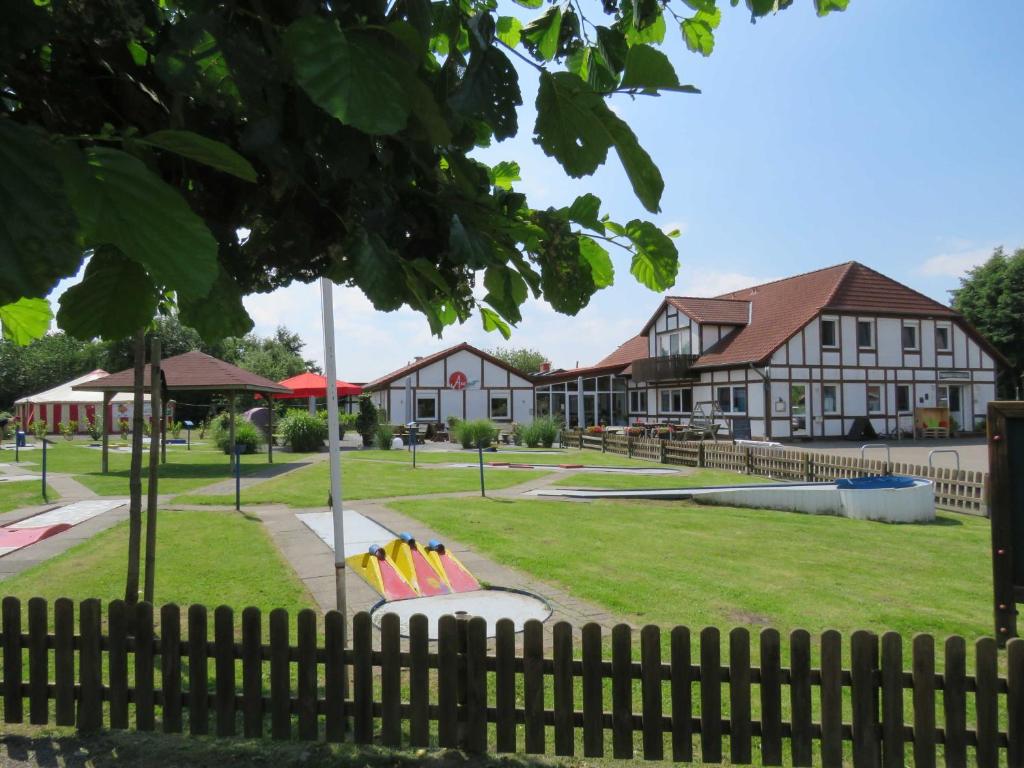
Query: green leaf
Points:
[114, 299]
[218, 314]
[656, 260]
[467, 246]
[493, 322]
[203, 150]
[38, 229]
[652, 33]
[428, 270]
[613, 48]
[643, 174]
[508, 30]
[600, 262]
[532, 4]
[506, 291]
[504, 173]
[150, 223]
[585, 210]
[570, 123]
[489, 91]
[541, 34]
[376, 266]
[708, 6]
[698, 36]
[825, 7]
[350, 75]
[25, 320]
[649, 70]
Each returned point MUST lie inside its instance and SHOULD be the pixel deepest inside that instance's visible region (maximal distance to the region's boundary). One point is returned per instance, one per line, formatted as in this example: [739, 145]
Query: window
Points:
[499, 406]
[874, 398]
[902, 398]
[865, 334]
[910, 338]
[942, 338]
[676, 400]
[426, 408]
[828, 333]
[732, 399]
[638, 401]
[674, 343]
[830, 398]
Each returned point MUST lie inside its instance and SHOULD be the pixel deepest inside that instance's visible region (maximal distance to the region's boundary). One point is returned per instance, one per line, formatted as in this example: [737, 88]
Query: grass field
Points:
[24, 494]
[364, 480]
[213, 558]
[511, 454]
[699, 477]
[184, 471]
[680, 563]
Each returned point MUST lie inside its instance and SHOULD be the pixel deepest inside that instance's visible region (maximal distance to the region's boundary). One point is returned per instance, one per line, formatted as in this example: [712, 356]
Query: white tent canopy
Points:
[63, 393]
[64, 403]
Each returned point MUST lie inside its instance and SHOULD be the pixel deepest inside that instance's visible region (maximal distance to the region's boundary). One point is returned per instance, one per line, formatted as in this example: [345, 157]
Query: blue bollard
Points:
[238, 478]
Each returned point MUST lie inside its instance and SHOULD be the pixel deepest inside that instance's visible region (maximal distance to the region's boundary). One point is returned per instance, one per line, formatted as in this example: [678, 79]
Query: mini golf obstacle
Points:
[33, 529]
[885, 498]
[412, 578]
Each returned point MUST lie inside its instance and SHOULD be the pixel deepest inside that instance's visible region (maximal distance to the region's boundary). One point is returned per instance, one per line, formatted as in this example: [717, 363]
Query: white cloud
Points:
[954, 264]
[710, 282]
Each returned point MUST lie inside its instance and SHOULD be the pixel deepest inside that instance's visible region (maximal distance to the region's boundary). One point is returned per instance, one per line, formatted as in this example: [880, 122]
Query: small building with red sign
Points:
[461, 381]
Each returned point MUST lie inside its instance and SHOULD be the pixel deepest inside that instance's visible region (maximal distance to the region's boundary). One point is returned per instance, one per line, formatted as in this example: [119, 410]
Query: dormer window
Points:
[674, 343]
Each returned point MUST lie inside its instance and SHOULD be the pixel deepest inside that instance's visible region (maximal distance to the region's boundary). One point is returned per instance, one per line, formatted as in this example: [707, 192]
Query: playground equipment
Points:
[885, 498]
[703, 423]
[403, 568]
[15, 536]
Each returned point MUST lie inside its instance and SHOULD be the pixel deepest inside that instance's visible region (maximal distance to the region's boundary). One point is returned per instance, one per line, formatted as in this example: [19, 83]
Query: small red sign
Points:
[458, 380]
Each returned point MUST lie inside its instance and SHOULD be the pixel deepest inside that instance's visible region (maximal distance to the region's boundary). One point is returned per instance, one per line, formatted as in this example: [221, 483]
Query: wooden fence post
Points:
[362, 677]
[145, 717]
[198, 719]
[64, 660]
[593, 694]
[224, 669]
[661, 451]
[476, 685]
[682, 696]
[701, 458]
[12, 659]
[252, 673]
[622, 692]
[740, 726]
[651, 696]
[986, 702]
[864, 697]
[604, 442]
[1015, 702]
[923, 663]
[280, 676]
[808, 472]
[893, 750]
[309, 725]
[504, 685]
[117, 663]
[90, 667]
[710, 695]
[831, 699]
[563, 694]
[629, 446]
[170, 667]
[447, 682]
[748, 462]
[771, 697]
[335, 671]
[419, 681]
[800, 696]
[533, 686]
[954, 701]
[38, 662]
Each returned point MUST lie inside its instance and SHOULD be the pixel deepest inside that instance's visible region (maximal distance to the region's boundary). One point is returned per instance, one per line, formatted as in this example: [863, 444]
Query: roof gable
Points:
[714, 311]
[193, 370]
[423, 362]
[864, 289]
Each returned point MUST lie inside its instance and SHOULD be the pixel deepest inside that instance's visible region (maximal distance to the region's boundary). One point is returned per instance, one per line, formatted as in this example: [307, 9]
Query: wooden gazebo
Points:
[190, 372]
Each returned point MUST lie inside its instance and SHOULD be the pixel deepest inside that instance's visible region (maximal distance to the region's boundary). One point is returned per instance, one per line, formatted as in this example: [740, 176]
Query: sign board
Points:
[954, 375]
[740, 426]
[1006, 509]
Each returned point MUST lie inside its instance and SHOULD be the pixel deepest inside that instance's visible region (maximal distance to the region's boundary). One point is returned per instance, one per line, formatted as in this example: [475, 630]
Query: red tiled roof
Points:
[781, 308]
[426, 360]
[715, 311]
[616, 362]
[193, 371]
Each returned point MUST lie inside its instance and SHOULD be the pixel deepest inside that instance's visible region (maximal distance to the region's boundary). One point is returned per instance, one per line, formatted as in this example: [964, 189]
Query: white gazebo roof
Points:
[64, 393]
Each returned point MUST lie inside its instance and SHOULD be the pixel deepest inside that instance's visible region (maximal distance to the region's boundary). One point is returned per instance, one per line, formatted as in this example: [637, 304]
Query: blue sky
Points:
[888, 134]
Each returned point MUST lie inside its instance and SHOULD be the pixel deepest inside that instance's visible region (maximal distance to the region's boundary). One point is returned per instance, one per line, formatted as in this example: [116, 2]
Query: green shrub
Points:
[39, 428]
[541, 433]
[478, 433]
[175, 429]
[247, 435]
[96, 427]
[303, 431]
[7, 430]
[382, 437]
[366, 420]
[124, 427]
[68, 427]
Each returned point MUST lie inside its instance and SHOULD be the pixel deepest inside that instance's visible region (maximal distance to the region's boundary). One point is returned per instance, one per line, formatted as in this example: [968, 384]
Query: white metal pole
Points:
[330, 369]
[581, 415]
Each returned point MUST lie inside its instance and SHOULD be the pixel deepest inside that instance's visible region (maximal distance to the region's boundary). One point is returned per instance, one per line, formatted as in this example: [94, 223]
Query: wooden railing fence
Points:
[955, 489]
[516, 696]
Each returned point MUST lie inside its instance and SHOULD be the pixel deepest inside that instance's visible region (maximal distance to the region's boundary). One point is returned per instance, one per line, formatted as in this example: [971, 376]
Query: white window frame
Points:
[682, 336]
[834, 321]
[424, 397]
[870, 324]
[638, 401]
[837, 405]
[881, 398]
[916, 347]
[499, 394]
[732, 398]
[948, 328]
[910, 398]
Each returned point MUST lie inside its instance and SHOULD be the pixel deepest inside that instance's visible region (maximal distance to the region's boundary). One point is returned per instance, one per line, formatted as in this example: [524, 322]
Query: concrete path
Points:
[267, 473]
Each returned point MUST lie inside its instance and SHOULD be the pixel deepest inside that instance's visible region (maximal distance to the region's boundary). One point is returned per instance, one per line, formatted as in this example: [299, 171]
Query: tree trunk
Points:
[156, 437]
[131, 589]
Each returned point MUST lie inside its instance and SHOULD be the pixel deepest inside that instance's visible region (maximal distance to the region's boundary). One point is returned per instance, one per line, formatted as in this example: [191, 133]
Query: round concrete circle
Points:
[490, 604]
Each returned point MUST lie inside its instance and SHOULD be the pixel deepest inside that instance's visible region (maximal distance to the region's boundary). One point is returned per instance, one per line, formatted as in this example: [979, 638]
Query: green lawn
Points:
[679, 563]
[24, 494]
[184, 471]
[698, 478]
[510, 454]
[365, 480]
[212, 558]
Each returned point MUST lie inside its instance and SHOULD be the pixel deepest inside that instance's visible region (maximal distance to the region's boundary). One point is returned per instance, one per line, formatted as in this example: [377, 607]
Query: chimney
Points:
[417, 358]
[545, 367]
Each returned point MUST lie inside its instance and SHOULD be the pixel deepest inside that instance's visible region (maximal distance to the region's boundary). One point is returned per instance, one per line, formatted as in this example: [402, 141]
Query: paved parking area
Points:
[973, 452]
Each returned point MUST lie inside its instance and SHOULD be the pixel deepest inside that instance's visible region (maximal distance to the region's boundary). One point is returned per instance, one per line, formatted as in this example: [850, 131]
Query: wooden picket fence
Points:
[955, 489]
[463, 692]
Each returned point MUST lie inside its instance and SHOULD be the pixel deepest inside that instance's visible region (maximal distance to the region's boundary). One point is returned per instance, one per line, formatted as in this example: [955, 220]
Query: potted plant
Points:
[39, 428]
[96, 427]
[68, 429]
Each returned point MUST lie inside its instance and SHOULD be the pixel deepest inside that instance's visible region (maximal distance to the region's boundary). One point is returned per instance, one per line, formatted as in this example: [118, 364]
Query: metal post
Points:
[480, 452]
[581, 417]
[44, 470]
[105, 462]
[270, 428]
[238, 479]
[331, 373]
[233, 456]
